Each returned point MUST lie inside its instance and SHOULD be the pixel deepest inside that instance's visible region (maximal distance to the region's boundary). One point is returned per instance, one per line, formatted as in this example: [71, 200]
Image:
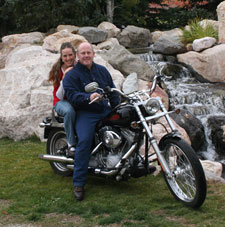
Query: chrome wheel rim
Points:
[183, 181]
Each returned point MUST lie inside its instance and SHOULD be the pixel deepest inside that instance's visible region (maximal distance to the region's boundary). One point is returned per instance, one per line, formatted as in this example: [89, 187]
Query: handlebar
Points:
[120, 93]
[154, 82]
[106, 91]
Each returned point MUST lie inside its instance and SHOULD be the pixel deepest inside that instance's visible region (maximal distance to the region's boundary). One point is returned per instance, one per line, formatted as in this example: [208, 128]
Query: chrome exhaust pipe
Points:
[54, 158]
[70, 167]
[98, 171]
[106, 173]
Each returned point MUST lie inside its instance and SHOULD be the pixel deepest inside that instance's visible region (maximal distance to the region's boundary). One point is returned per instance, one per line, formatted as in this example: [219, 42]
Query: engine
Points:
[115, 143]
[110, 137]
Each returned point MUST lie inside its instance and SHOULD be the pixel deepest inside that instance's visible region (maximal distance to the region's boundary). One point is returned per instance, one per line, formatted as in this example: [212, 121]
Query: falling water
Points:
[201, 99]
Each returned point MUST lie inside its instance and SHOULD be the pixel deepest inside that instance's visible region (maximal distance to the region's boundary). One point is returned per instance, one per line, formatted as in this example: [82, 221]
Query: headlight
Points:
[152, 106]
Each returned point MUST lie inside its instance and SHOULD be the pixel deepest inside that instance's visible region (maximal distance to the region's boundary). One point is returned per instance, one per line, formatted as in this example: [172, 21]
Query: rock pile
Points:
[26, 59]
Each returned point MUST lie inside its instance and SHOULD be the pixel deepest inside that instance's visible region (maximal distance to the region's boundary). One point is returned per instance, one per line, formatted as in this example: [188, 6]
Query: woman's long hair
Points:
[54, 74]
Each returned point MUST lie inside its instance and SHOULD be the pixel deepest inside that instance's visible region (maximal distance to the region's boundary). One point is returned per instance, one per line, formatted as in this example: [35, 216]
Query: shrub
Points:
[197, 31]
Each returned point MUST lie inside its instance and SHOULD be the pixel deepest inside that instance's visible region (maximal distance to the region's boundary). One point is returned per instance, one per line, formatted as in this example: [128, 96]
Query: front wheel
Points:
[57, 145]
[187, 180]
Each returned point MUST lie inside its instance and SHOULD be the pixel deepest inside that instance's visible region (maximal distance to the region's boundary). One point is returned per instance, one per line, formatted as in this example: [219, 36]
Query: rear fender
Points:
[48, 130]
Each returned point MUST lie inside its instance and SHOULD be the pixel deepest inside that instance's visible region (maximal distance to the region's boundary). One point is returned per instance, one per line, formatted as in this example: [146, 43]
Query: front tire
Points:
[55, 145]
[187, 183]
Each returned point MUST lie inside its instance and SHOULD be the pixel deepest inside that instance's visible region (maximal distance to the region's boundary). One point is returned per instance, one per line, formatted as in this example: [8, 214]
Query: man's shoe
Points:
[79, 193]
[71, 152]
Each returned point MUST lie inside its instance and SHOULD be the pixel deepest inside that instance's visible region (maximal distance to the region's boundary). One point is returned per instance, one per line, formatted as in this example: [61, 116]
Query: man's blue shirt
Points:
[76, 80]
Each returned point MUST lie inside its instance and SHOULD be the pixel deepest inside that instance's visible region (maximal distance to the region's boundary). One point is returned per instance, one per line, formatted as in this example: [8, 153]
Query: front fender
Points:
[168, 136]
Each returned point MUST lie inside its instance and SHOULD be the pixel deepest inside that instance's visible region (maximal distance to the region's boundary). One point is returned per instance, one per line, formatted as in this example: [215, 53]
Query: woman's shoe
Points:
[71, 152]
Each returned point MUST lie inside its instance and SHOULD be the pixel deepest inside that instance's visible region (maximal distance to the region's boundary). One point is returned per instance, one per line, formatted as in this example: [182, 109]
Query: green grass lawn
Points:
[30, 193]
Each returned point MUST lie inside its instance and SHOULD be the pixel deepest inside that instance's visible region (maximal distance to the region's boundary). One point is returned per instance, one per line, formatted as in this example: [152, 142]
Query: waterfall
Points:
[201, 99]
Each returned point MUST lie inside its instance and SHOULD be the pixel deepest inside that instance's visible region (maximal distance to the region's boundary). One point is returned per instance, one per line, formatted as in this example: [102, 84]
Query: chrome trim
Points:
[42, 124]
[55, 158]
[96, 148]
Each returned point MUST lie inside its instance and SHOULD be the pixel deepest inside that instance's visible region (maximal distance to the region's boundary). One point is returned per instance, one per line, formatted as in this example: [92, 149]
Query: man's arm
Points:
[76, 95]
[73, 90]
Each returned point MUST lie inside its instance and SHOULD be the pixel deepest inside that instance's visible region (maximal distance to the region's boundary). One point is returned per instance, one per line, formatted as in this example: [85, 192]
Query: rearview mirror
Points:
[93, 86]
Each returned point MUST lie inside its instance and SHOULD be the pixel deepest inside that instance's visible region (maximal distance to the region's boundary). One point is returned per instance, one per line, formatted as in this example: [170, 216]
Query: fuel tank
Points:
[122, 115]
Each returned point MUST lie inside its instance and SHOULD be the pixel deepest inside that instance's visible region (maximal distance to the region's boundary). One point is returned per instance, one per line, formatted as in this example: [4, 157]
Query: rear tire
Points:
[56, 141]
[188, 183]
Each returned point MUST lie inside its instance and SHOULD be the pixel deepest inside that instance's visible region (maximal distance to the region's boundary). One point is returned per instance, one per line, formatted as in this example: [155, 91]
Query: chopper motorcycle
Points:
[118, 140]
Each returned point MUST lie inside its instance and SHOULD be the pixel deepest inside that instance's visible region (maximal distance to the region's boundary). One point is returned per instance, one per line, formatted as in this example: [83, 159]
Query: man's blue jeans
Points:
[65, 109]
[85, 128]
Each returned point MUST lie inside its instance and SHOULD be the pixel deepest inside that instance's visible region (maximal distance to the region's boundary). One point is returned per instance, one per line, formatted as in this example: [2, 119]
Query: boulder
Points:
[4, 51]
[11, 41]
[215, 24]
[92, 34]
[156, 35]
[117, 76]
[213, 170]
[22, 55]
[189, 47]
[192, 126]
[133, 36]
[146, 85]
[209, 63]
[25, 94]
[169, 45]
[75, 40]
[177, 32]
[217, 126]
[24, 38]
[108, 44]
[130, 84]
[70, 28]
[111, 29]
[221, 19]
[53, 42]
[203, 43]
[160, 131]
[126, 62]
[223, 171]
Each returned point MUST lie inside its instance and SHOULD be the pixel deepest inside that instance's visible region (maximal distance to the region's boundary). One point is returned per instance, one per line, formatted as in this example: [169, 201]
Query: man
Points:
[85, 72]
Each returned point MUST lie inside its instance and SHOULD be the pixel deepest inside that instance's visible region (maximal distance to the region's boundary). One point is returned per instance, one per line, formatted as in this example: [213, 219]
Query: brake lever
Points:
[95, 99]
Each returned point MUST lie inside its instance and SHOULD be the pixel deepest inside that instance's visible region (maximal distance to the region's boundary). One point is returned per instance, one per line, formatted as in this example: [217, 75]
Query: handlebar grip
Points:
[95, 99]
[107, 89]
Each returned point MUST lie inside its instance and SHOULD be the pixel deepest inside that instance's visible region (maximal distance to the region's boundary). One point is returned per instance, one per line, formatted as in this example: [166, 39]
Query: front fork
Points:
[153, 142]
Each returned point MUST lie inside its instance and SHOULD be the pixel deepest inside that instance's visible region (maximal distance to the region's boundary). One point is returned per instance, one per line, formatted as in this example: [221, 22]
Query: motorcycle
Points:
[118, 141]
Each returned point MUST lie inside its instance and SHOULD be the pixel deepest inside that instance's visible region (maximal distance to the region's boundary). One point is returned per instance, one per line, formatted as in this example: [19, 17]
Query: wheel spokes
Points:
[183, 182]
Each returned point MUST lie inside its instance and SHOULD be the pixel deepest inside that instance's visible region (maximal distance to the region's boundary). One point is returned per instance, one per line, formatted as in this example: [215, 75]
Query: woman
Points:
[62, 106]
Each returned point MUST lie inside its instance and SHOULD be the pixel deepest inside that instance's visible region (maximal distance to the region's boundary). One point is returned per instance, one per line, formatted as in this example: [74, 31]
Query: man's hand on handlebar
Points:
[95, 97]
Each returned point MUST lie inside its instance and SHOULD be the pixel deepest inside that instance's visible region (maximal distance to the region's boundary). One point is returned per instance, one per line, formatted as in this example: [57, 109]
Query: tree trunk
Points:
[110, 9]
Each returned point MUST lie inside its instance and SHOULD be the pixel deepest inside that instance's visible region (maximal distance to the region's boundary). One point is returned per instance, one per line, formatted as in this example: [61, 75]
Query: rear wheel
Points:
[57, 145]
[187, 183]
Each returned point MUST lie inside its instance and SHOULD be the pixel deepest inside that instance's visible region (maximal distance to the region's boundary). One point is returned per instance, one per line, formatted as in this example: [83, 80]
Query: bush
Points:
[196, 31]
[166, 19]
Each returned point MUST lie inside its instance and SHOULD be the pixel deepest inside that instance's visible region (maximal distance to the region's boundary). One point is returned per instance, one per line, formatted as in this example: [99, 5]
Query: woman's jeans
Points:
[65, 109]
